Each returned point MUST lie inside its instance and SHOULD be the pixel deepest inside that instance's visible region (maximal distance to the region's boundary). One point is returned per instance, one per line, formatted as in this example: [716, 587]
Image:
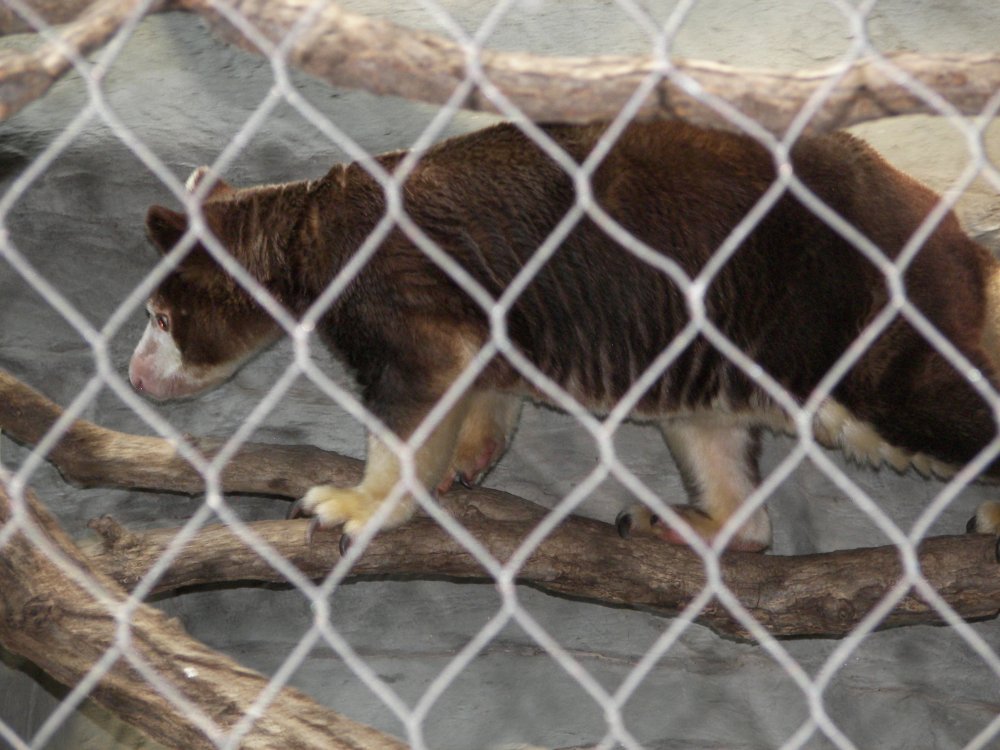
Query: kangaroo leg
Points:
[483, 437]
[401, 391]
[354, 506]
[932, 417]
[718, 464]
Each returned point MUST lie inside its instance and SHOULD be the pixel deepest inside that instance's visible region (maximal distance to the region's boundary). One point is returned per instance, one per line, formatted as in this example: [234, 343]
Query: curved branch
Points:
[808, 595]
[352, 50]
[825, 594]
[355, 51]
[51, 11]
[26, 76]
[47, 617]
[90, 455]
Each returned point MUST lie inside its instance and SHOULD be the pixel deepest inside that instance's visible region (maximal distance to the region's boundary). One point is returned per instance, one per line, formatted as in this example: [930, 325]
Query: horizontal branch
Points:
[47, 617]
[50, 11]
[824, 594]
[25, 76]
[817, 595]
[352, 50]
[90, 455]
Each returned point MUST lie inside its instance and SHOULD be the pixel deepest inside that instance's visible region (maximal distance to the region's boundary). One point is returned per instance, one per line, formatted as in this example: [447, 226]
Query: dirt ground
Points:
[186, 95]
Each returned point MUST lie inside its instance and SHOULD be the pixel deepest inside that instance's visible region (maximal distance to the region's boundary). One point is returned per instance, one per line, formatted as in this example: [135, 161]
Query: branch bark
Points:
[351, 50]
[809, 595]
[90, 455]
[824, 594]
[49, 618]
[348, 49]
[26, 76]
[51, 11]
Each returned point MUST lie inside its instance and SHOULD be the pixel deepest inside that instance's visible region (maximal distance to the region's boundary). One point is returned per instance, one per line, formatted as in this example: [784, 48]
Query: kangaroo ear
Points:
[218, 188]
[165, 227]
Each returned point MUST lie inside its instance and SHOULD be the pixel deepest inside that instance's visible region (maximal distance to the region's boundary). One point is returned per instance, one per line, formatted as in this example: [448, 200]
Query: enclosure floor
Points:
[186, 95]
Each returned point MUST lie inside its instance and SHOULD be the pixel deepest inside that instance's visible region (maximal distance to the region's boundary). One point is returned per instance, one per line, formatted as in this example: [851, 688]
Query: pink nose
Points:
[135, 378]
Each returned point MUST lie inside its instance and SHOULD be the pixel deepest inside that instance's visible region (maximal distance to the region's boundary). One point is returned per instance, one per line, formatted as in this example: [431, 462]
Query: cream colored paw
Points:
[351, 507]
[755, 536]
[986, 520]
[335, 506]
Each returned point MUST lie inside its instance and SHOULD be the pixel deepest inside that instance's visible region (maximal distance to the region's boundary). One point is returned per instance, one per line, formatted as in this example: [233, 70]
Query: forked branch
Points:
[47, 616]
[825, 594]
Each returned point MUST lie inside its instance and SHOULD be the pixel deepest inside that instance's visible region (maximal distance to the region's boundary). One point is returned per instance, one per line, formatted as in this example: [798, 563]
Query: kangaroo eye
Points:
[162, 322]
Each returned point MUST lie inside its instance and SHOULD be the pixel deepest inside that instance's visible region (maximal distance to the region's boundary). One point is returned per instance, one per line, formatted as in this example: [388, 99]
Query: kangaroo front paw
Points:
[755, 536]
[351, 507]
[986, 520]
[334, 506]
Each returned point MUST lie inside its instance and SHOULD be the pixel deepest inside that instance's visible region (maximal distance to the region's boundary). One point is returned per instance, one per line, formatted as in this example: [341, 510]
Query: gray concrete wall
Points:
[185, 95]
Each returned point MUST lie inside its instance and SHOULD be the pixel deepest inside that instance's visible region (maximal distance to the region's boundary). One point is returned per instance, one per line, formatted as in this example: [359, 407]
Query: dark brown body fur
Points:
[794, 295]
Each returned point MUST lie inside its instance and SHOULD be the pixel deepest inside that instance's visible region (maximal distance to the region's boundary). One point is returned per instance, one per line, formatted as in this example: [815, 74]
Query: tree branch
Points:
[351, 50]
[815, 595]
[823, 594]
[89, 455]
[51, 11]
[48, 617]
[26, 76]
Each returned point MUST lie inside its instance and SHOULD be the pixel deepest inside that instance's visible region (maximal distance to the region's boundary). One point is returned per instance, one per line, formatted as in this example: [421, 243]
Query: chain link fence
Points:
[435, 663]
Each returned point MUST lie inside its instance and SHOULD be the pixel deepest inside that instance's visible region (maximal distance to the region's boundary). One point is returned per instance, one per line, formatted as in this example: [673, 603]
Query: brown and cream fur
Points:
[793, 297]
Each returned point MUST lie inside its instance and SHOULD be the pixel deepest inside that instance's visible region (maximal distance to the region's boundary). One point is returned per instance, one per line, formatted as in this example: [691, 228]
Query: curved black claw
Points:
[311, 529]
[345, 543]
[624, 524]
[971, 526]
[296, 511]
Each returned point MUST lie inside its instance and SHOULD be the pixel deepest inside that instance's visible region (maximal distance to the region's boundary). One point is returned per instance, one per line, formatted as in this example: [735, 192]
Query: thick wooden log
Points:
[351, 50]
[50, 11]
[48, 617]
[25, 76]
[826, 594]
[815, 595]
[90, 455]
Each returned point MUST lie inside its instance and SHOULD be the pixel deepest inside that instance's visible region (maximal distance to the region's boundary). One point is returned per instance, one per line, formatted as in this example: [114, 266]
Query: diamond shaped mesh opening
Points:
[431, 662]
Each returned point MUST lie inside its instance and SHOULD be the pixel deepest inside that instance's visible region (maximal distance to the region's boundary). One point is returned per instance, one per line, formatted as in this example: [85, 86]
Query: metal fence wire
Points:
[614, 700]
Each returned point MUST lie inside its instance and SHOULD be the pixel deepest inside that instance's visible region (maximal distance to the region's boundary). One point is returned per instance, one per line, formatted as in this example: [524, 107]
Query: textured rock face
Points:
[186, 96]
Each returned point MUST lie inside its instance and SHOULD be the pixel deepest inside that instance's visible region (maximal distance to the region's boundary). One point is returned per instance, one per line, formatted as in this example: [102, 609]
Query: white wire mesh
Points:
[660, 31]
